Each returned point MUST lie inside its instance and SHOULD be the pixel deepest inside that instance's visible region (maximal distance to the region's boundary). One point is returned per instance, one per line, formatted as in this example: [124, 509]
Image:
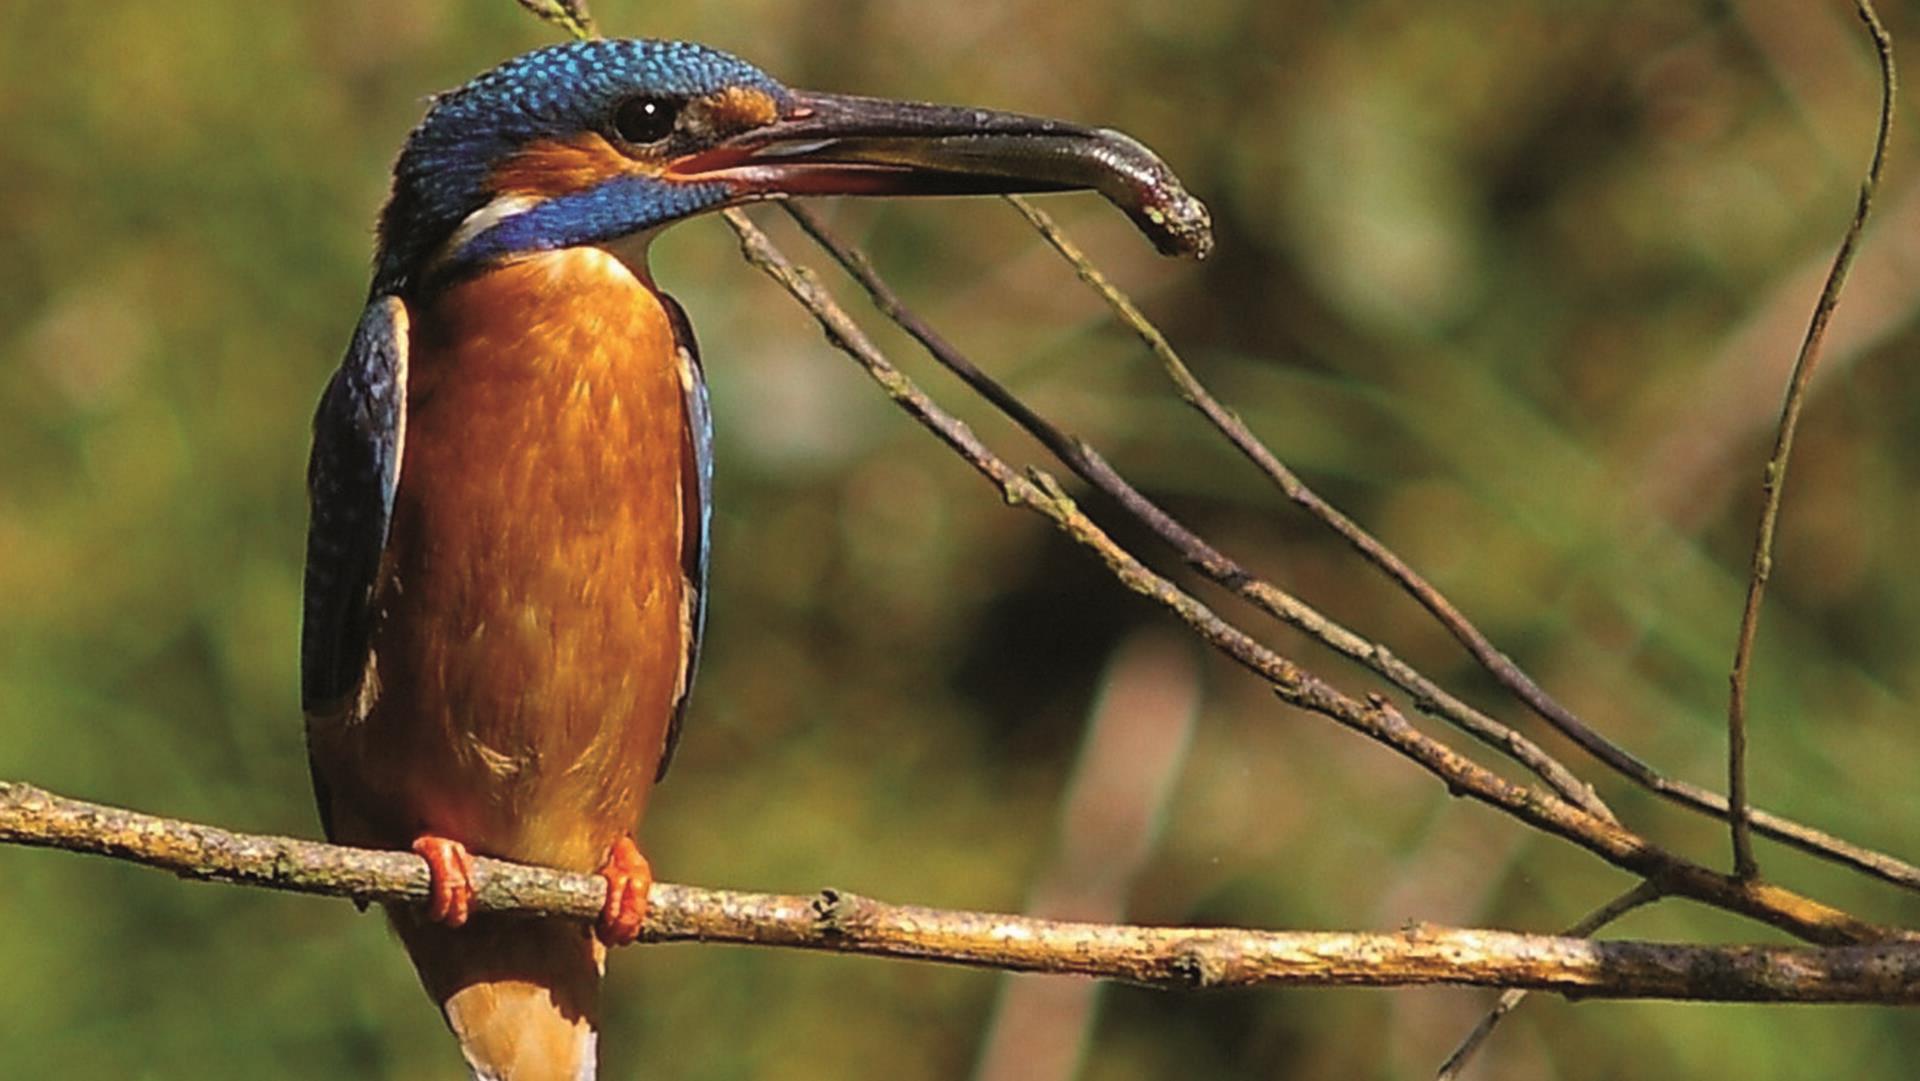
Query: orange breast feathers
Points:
[537, 616]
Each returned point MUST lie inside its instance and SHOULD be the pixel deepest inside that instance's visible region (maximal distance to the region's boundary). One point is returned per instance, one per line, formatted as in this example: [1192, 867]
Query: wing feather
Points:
[697, 517]
[359, 434]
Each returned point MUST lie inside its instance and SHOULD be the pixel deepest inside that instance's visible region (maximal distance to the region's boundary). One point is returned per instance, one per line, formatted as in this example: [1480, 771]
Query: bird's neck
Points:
[557, 316]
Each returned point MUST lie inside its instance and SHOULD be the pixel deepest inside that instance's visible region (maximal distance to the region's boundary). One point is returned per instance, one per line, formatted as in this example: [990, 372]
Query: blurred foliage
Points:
[1516, 282]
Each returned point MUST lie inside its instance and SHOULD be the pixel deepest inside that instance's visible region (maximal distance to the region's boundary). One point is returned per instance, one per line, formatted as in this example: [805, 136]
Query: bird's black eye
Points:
[645, 120]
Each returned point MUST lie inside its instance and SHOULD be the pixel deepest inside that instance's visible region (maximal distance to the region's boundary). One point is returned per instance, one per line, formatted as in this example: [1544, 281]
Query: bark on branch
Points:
[1168, 957]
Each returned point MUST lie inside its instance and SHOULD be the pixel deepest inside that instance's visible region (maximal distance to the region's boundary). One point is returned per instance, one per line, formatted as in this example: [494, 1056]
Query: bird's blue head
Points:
[595, 141]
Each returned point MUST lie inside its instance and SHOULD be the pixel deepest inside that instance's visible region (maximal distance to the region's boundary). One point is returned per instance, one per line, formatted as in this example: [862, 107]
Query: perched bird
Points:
[511, 479]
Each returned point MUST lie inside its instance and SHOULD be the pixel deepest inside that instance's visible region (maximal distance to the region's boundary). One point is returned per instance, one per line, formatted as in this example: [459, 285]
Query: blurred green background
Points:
[1515, 282]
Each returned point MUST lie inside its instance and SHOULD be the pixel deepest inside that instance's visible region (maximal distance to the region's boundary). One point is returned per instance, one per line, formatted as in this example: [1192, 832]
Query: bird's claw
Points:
[451, 867]
[629, 877]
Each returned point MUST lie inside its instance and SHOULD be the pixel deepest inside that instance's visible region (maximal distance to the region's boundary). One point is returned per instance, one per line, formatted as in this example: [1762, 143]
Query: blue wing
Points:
[698, 516]
[357, 439]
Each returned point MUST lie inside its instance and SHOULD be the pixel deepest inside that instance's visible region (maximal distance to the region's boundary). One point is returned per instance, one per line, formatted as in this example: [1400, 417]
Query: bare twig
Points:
[569, 15]
[1774, 479]
[1169, 957]
[1376, 718]
[1644, 894]
[1509, 675]
[1093, 467]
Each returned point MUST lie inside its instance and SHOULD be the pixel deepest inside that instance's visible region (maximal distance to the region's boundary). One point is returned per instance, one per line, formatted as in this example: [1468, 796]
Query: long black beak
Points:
[833, 144]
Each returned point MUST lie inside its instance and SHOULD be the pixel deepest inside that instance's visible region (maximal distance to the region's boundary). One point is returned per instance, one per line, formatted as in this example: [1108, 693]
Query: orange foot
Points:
[452, 869]
[629, 877]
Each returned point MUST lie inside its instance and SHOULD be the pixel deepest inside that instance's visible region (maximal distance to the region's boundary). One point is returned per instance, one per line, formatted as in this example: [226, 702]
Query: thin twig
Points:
[1644, 894]
[1774, 480]
[1508, 674]
[1376, 718]
[1168, 957]
[569, 15]
[1220, 568]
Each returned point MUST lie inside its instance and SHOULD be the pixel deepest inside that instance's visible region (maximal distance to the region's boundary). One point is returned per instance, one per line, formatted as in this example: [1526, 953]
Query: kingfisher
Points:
[511, 480]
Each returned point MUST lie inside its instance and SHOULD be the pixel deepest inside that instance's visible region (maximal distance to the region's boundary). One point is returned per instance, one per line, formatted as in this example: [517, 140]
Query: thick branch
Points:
[1644, 894]
[1170, 957]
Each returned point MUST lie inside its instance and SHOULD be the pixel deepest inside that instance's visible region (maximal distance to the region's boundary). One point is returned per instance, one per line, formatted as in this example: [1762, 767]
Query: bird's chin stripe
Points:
[516, 225]
[480, 221]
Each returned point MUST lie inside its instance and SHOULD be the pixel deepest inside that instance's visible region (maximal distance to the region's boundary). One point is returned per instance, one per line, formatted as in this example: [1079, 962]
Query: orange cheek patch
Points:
[738, 108]
[561, 166]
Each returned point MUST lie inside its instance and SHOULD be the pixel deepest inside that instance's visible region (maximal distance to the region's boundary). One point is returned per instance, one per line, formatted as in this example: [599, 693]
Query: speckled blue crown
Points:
[565, 85]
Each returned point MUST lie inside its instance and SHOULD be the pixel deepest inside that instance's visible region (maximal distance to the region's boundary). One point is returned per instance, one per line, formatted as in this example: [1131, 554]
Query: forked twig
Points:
[1093, 467]
[1813, 841]
[1774, 480]
[1644, 894]
[1375, 718]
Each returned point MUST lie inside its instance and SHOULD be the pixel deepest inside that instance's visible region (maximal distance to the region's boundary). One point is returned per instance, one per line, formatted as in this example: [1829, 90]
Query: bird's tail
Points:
[521, 995]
